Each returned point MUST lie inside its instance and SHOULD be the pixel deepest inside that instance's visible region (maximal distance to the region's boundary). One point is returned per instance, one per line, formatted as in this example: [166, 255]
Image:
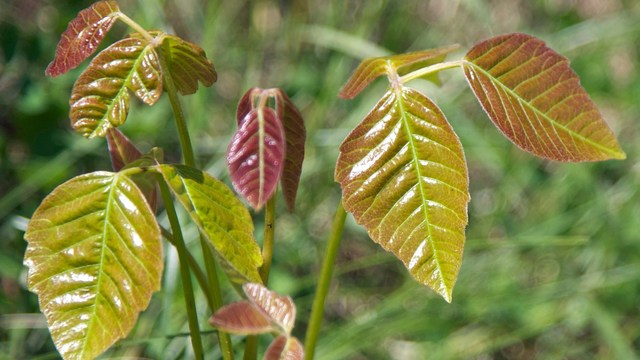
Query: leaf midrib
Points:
[537, 111]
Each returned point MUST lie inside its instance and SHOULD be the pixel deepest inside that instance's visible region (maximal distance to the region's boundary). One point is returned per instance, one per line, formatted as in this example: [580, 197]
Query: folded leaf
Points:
[188, 64]
[220, 216]
[279, 309]
[242, 318]
[372, 68]
[404, 178]
[82, 36]
[536, 100]
[100, 96]
[94, 258]
[285, 348]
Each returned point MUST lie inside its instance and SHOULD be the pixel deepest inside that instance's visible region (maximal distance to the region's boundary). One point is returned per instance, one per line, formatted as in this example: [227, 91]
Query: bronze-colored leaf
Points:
[82, 36]
[536, 100]
[242, 318]
[285, 348]
[188, 64]
[278, 308]
[404, 178]
[100, 97]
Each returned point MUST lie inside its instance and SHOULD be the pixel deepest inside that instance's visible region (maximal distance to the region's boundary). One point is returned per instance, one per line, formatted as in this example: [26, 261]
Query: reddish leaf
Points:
[82, 36]
[536, 100]
[255, 157]
[188, 64]
[279, 309]
[246, 103]
[243, 318]
[372, 68]
[285, 348]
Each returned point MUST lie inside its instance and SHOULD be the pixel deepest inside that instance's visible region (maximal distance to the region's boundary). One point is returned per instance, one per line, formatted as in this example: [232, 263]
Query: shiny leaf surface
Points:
[404, 178]
[82, 36]
[256, 155]
[188, 64]
[285, 348]
[279, 309]
[372, 68]
[536, 100]
[94, 259]
[220, 216]
[242, 318]
[100, 96]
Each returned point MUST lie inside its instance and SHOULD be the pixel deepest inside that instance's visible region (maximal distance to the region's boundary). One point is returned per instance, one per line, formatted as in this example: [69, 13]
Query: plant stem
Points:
[317, 310]
[190, 302]
[430, 69]
[135, 26]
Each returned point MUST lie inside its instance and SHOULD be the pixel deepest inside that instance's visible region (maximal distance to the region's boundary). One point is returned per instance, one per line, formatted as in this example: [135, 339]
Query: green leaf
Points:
[404, 178]
[220, 216]
[188, 64]
[372, 68]
[536, 100]
[94, 258]
[82, 36]
[100, 96]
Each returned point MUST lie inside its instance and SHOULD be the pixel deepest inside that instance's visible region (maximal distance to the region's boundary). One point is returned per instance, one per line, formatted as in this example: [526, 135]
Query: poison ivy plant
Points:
[402, 169]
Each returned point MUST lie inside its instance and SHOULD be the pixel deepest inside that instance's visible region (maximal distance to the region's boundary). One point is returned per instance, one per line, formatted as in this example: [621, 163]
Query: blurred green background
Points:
[552, 261]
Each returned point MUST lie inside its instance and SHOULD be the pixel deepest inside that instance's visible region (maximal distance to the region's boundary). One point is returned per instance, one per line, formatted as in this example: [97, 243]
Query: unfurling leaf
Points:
[220, 216]
[82, 36]
[404, 178]
[372, 68]
[256, 155]
[279, 309]
[100, 96]
[188, 64]
[285, 348]
[94, 258]
[242, 318]
[536, 100]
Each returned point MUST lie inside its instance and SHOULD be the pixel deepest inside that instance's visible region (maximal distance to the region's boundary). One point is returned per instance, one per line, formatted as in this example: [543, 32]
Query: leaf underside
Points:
[242, 318]
[82, 36]
[188, 64]
[100, 97]
[220, 216]
[534, 97]
[295, 135]
[404, 178]
[280, 309]
[256, 155]
[285, 348]
[372, 68]
[94, 258]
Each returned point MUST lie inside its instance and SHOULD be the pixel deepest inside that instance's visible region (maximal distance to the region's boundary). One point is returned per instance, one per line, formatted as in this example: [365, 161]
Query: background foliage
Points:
[552, 261]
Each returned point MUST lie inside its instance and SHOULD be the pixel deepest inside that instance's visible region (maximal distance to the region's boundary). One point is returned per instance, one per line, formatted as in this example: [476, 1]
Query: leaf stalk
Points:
[430, 69]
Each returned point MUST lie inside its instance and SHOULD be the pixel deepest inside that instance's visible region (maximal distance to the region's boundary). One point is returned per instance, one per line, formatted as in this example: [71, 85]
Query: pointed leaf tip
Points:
[82, 36]
[536, 100]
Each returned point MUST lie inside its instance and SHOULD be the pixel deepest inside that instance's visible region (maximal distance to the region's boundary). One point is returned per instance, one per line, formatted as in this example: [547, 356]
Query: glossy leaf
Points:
[404, 178]
[94, 258]
[295, 135]
[100, 96]
[279, 309]
[188, 64]
[536, 100]
[242, 318]
[82, 36]
[285, 348]
[256, 155]
[372, 68]
[220, 216]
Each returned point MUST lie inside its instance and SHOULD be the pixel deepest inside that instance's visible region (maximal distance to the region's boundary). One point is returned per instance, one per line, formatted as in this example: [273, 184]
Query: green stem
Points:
[135, 26]
[430, 69]
[328, 263]
[190, 302]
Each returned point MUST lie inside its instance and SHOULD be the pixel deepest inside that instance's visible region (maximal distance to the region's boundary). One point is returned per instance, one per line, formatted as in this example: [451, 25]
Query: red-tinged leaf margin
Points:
[83, 36]
[285, 348]
[533, 96]
[372, 68]
[188, 64]
[242, 318]
[278, 308]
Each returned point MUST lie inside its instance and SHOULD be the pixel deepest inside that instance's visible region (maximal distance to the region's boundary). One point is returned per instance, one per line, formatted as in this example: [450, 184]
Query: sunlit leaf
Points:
[242, 318]
[82, 36]
[256, 155]
[279, 309]
[404, 178]
[295, 135]
[285, 348]
[188, 64]
[221, 217]
[372, 68]
[100, 96]
[535, 99]
[94, 258]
